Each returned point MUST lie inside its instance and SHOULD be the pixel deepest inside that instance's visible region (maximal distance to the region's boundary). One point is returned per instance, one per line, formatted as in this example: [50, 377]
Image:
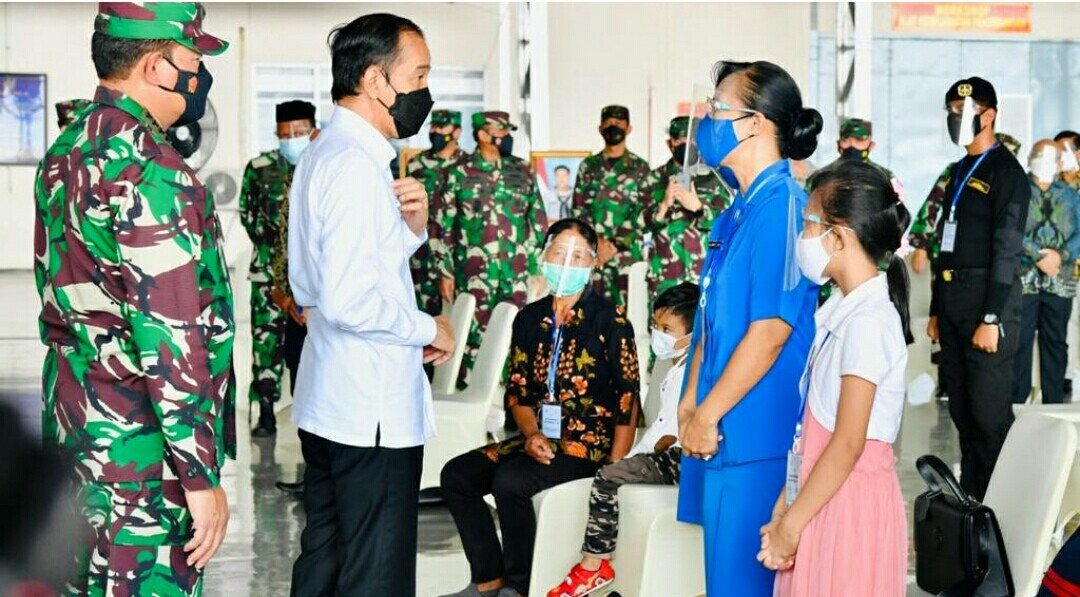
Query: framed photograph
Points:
[22, 119]
[556, 174]
[405, 157]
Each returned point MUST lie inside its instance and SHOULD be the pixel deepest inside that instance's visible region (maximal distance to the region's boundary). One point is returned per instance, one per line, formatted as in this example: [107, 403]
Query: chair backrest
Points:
[461, 318]
[637, 297]
[494, 348]
[651, 408]
[1026, 490]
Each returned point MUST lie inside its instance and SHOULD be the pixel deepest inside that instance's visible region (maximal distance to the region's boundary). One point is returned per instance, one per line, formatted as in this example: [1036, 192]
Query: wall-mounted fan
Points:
[222, 186]
[196, 141]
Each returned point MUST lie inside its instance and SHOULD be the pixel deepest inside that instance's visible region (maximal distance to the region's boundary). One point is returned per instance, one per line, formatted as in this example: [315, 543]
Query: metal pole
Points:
[864, 47]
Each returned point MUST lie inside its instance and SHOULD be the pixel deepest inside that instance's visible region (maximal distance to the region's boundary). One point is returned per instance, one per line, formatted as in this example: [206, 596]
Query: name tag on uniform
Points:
[979, 185]
[551, 420]
[948, 237]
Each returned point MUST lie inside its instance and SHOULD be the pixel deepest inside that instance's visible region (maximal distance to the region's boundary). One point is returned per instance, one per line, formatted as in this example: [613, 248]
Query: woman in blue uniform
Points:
[755, 325]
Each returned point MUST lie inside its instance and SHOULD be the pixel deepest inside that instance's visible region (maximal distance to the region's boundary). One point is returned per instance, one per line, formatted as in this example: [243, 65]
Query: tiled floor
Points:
[263, 538]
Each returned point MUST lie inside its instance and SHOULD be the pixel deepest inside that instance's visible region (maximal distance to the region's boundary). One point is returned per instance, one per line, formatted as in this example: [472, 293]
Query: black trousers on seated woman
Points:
[513, 477]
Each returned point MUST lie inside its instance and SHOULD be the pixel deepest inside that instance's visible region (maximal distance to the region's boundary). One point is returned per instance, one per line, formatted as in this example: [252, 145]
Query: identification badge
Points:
[948, 237]
[551, 420]
[791, 487]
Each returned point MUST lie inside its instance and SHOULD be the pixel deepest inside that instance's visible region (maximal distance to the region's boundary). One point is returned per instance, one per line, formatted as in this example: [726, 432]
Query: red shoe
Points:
[584, 582]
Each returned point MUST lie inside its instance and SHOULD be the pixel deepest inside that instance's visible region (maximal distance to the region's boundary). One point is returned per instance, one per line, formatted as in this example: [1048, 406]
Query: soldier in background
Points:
[429, 167]
[494, 224]
[608, 195]
[265, 188]
[66, 111]
[679, 218]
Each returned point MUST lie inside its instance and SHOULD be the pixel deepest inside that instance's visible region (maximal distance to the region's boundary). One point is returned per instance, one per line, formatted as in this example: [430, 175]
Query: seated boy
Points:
[653, 461]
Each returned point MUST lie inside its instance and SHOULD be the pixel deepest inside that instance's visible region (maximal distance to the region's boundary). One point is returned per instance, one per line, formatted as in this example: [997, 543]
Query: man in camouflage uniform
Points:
[137, 310]
[679, 218]
[608, 194]
[856, 141]
[430, 168]
[265, 187]
[494, 225]
[66, 111]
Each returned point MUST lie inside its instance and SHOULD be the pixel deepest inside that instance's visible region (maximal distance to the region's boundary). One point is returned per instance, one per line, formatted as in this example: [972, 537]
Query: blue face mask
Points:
[292, 148]
[566, 280]
[716, 139]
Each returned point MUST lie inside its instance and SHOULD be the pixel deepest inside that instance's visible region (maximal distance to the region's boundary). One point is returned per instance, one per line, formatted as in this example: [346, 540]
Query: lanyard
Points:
[556, 348]
[960, 188]
[804, 390]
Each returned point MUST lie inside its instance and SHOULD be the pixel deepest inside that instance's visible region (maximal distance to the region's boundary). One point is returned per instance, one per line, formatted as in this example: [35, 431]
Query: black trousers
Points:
[1049, 315]
[361, 508]
[295, 334]
[514, 479]
[980, 384]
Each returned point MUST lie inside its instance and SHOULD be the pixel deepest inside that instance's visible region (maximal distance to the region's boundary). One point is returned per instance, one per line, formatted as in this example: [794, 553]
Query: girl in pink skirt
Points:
[839, 527]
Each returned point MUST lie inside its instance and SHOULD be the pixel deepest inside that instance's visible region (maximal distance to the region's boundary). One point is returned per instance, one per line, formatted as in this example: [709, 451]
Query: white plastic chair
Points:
[674, 559]
[1070, 503]
[460, 418]
[651, 405]
[637, 297]
[462, 315]
[1026, 491]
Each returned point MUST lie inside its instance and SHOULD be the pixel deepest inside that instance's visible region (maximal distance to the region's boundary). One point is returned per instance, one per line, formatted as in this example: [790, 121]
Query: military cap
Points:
[177, 21]
[856, 128]
[65, 111]
[615, 111]
[1010, 142]
[498, 119]
[445, 117]
[294, 110]
[679, 127]
[979, 90]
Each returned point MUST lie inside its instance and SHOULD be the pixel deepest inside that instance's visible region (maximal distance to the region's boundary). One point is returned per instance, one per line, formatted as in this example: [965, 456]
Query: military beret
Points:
[294, 110]
[445, 117]
[615, 111]
[498, 119]
[177, 21]
[979, 90]
[856, 128]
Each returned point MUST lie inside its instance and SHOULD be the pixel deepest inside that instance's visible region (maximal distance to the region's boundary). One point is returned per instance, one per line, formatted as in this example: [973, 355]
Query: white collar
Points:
[368, 136]
[836, 310]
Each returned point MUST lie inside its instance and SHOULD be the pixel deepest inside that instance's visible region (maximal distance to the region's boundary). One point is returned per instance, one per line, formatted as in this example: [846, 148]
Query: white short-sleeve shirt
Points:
[861, 335]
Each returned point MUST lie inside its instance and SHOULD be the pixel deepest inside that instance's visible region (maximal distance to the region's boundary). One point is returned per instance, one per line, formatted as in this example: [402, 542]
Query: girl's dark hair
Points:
[573, 224]
[861, 197]
[682, 300]
[370, 40]
[771, 90]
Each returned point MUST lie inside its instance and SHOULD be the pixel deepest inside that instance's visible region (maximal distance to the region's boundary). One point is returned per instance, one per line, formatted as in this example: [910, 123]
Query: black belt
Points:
[953, 275]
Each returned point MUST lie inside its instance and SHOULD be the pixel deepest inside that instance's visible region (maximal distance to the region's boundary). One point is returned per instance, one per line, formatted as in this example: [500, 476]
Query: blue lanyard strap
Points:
[960, 187]
[804, 391]
[556, 348]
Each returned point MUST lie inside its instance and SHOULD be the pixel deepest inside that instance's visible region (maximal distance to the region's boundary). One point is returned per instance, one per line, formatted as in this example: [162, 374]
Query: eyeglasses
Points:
[715, 106]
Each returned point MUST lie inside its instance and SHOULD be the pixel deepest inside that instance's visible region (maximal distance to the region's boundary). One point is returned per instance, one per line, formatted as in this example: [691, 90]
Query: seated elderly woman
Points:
[574, 416]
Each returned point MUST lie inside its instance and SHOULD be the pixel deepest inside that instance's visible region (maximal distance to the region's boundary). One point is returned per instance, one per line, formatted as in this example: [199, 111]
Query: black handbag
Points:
[958, 545]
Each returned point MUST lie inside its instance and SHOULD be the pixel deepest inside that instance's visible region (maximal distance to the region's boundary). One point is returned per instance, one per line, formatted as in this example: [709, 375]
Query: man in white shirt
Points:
[362, 403]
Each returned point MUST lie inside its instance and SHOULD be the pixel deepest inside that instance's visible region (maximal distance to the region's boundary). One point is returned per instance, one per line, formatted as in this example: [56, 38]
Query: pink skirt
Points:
[856, 545]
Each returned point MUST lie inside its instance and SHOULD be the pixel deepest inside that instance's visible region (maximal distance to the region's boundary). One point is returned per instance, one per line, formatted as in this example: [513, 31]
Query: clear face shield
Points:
[707, 144]
[568, 266]
[1069, 162]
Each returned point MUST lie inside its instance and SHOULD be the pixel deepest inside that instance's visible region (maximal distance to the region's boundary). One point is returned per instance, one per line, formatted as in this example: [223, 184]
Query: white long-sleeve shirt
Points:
[361, 374]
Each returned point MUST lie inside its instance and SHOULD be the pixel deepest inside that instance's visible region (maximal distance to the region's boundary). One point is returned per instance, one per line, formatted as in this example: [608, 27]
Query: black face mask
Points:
[953, 122]
[194, 88]
[679, 153]
[505, 145]
[439, 142]
[855, 154]
[409, 110]
[613, 135]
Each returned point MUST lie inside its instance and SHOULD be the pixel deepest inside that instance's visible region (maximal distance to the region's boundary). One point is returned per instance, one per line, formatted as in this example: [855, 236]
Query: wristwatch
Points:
[991, 319]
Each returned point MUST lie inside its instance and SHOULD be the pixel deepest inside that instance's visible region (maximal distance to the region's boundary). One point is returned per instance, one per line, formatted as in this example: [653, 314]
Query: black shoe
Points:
[267, 425]
[291, 488]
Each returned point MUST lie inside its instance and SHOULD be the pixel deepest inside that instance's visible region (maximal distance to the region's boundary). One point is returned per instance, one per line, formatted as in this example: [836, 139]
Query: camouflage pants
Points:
[426, 279]
[609, 282]
[267, 343]
[135, 541]
[650, 468]
[486, 301]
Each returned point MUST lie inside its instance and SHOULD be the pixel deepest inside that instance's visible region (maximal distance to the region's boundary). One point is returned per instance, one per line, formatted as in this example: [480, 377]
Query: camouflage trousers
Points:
[267, 344]
[426, 280]
[650, 468]
[609, 282]
[486, 301]
[135, 541]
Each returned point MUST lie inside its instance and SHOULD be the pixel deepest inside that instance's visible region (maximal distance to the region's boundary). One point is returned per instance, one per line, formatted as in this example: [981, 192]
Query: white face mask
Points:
[663, 345]
[813, 258]
[1044, 166]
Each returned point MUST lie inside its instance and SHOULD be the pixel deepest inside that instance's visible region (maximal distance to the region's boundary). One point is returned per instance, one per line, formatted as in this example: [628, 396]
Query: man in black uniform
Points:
[975, 305]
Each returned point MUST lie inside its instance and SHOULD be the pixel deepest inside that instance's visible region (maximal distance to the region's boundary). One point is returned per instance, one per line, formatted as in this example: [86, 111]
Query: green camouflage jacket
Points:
[265, 187]
[608, 195]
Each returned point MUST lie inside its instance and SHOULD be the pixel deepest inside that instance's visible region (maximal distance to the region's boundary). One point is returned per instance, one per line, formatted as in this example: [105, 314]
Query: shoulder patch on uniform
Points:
[979, 185]
[261, 162]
